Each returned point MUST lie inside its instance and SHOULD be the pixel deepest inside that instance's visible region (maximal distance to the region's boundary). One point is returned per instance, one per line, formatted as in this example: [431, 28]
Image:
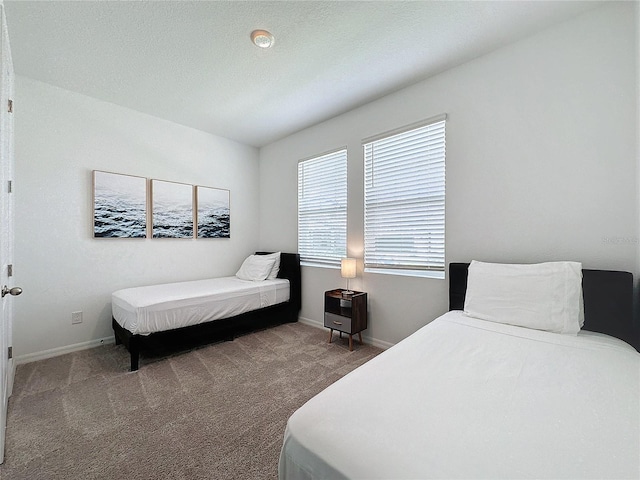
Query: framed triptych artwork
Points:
[127, 206]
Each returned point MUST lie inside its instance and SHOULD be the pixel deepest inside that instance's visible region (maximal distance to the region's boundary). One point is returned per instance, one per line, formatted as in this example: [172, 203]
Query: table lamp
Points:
[348, 270]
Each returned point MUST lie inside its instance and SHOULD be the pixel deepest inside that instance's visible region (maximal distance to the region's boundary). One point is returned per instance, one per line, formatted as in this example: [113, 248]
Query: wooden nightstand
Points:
[345, 313]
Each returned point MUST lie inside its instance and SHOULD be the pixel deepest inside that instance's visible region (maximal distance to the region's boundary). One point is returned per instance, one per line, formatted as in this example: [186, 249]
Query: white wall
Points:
[541, 164]
[60, 138]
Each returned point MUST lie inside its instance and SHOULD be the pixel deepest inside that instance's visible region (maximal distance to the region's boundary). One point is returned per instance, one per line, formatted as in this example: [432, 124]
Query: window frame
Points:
[427, 260]
[335, 218]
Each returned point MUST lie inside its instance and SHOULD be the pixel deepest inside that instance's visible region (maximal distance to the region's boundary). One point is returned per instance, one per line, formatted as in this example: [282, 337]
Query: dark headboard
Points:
[290, 269]
[608, 300]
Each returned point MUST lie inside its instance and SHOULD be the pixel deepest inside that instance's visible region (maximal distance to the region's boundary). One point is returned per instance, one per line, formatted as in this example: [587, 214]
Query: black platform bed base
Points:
[225, 329]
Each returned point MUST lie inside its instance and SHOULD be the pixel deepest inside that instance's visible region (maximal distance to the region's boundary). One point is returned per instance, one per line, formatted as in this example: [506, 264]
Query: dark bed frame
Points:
[222, 329]
[608, 301]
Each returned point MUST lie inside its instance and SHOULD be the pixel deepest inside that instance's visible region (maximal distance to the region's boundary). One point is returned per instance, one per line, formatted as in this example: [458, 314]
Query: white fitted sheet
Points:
[467, 398]
[156, 308]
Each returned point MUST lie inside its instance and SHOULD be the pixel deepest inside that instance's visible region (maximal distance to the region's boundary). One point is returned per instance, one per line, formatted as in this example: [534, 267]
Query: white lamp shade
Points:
[348, 268]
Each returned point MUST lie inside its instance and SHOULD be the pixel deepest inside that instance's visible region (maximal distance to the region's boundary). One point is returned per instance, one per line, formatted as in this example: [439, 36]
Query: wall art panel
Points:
[172, 209]
[214, 219]
[119, 205]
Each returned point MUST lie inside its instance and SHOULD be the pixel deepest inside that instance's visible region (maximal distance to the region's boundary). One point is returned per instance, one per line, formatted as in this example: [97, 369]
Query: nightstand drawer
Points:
[337, 322]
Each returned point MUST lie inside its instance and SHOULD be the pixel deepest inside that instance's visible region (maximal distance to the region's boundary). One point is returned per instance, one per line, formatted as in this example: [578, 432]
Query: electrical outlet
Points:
[76, 317]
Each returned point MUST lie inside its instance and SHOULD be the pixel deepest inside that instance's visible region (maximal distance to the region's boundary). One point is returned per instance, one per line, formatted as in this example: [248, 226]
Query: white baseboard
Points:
[367, 339]
[54, 352]
[377, 343]
[12, 376]
[311, 323]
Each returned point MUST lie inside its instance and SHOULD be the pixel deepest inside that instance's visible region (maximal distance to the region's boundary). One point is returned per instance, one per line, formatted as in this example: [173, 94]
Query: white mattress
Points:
[155, 308]
[467, 398]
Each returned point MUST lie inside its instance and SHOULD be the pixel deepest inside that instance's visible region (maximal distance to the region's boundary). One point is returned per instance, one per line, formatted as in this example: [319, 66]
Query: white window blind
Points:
[404, 201]
[322, 208]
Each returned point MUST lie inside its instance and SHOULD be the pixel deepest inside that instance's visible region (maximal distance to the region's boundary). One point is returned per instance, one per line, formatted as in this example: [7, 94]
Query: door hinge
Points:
[10, 186]
[10, 108]
[10, 352]
[9, 270]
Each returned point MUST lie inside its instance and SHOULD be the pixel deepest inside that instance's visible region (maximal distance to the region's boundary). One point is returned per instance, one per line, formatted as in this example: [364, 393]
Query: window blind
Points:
[322, 208]
[404, 201]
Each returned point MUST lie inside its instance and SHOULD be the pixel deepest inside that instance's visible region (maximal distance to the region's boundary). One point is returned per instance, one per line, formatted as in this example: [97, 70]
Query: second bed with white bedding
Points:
[157, 308]
[501, 395]
[468, 398]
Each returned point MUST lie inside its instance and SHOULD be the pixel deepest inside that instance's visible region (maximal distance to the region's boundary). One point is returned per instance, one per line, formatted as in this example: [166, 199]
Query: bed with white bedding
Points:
[465, 397]
[155, 308]
[262, 293]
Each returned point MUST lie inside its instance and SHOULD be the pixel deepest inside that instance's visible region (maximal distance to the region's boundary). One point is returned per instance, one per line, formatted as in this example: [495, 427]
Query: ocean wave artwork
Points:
[120, 206]
[172, 209]
[214, 219]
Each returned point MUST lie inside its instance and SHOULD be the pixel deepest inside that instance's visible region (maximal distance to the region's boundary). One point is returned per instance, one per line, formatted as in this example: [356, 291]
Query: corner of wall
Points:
[637, 129]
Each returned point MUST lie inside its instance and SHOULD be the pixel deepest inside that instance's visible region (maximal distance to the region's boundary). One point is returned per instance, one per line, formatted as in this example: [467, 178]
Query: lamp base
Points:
[347, 292]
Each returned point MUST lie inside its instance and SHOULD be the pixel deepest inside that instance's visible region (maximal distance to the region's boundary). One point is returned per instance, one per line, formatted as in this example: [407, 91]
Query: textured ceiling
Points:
[193, 62]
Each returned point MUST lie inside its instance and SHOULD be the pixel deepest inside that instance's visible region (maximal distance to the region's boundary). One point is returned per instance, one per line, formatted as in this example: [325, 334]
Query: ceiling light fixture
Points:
[262, 38]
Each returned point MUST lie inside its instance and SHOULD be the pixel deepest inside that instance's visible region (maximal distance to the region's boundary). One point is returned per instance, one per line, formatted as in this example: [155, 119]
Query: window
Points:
[322, 209]
[404, 201]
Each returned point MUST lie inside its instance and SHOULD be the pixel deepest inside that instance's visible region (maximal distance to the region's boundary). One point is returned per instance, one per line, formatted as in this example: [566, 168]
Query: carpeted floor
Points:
[217, 412]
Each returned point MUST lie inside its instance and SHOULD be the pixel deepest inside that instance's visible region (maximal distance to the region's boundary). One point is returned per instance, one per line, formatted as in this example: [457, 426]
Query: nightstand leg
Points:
[350, 343]
[330, 334]
[360, 335]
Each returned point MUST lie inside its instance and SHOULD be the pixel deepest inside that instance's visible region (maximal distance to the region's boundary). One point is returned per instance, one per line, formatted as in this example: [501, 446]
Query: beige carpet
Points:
[216, 412]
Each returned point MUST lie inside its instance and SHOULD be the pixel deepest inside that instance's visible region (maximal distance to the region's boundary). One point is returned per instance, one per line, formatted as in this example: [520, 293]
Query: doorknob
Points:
[13, 291]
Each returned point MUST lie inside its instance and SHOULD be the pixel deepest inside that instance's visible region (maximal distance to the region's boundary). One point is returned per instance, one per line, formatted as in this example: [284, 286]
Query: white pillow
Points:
[255, 268]
[276, 265]
[543, 296]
